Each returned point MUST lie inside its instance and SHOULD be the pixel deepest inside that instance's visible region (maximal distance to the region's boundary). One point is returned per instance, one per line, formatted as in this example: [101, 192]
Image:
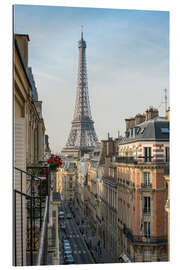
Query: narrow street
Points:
[80, 252]
[86, 248]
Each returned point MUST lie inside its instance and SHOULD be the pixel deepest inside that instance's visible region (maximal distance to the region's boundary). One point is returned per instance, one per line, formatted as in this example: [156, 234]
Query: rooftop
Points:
[156, 129]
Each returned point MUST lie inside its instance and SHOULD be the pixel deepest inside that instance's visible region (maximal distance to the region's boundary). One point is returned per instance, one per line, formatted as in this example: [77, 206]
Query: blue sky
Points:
[127, 62]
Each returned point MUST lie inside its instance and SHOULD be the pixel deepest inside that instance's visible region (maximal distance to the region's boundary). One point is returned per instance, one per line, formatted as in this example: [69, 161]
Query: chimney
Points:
[132, 122]
[151, 113]
[127, 123]
[139, 118]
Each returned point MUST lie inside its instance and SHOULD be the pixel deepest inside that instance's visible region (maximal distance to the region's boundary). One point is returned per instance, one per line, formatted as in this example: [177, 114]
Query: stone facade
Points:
[28, 134]
[65, 181]
[123, 192]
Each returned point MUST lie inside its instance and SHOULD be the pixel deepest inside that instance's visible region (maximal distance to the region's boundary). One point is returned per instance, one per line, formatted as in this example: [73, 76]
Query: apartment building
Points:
[28, 139]
[65, 180]
[124, 193]
[81, 184]
[142, 158]
[108, 201]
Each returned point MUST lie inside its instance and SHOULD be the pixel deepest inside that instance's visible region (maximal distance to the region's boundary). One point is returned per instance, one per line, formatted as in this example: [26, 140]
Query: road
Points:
[80, 252]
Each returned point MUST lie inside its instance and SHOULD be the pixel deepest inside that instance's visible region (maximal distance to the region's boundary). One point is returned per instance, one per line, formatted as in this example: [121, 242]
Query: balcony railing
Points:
[146, 185]
[139, 160]
[126, 160]
[42, 253]
[30, 197]
[144, 239]
[147, 211]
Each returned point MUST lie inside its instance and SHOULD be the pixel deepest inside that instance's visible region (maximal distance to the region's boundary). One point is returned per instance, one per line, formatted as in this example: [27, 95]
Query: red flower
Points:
[59, 163]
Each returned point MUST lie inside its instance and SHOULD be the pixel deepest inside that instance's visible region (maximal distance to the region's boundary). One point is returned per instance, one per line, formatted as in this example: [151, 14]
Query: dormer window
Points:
[165, 130]
[137, 130]
[142, 130]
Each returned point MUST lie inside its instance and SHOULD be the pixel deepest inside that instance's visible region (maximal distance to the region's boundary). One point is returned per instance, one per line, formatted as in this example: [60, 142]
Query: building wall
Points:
[131, 198]
[21, 92]
[26, 120]
[66, 184]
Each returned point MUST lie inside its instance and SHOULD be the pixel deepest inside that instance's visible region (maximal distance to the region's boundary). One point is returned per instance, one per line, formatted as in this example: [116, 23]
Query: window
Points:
[147, 154]
[147, 229]
[147, 256]
[147, 205]
[146, 179]
[165, 130]
[167, 154]
[142, 130]
[70, 185]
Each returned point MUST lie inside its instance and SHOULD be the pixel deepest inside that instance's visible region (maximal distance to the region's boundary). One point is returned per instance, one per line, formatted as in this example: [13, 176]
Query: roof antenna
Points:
[81, 32]
[165, 101]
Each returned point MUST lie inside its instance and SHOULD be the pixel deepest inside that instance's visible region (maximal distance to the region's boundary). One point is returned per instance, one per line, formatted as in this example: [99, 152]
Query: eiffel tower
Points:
[82, 137]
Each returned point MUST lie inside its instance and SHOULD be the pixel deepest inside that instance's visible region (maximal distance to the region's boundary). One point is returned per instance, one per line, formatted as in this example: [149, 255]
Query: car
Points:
[66, 241]
[67, 251]
[67, 244]
[67, 247]
[68, 259]
[63, 226]
[61, 214]
[69, 215]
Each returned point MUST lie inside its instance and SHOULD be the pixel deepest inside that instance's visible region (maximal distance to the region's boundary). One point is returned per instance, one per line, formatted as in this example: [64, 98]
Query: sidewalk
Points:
[99, 254]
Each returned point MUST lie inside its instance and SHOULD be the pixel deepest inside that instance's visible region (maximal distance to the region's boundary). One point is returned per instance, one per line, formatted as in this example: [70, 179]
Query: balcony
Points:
[146, 211]
[146, 185]
[30, 201]
[126, 160]
[141, 239]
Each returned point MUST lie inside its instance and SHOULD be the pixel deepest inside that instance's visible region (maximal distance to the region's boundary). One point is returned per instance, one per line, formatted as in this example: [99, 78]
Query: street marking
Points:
[79, 252]
[77, 235]
[84, 251]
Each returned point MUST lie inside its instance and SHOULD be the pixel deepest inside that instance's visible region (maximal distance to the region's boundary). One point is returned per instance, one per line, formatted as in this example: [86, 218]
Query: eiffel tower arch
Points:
[82, 137]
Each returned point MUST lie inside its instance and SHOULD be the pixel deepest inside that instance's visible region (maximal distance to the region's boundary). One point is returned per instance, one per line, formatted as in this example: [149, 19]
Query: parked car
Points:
[67, 247]
[68, 259]
[61, 214]
[69, 215]
[67, 250]
[63, 226]
[66, 241]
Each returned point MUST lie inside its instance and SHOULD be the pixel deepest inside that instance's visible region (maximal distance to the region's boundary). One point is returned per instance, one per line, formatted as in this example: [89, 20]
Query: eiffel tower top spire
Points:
[81, 32]
[82, 137]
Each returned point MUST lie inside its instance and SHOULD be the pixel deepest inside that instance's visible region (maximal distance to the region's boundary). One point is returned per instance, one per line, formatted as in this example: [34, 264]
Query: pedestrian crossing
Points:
[73, 235]
[76, 252]
[79, 252]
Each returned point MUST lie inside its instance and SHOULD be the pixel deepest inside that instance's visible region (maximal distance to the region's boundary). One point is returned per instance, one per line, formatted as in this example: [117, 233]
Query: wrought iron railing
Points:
[144, 238]
[42, 253]
[146, 185]
[30, 195]
[126, 160]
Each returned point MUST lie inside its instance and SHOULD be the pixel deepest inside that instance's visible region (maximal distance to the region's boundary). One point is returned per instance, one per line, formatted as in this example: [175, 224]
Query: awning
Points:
[125, 258]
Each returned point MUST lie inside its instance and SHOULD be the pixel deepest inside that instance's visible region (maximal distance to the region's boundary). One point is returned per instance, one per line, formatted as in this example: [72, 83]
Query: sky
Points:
[127, 62]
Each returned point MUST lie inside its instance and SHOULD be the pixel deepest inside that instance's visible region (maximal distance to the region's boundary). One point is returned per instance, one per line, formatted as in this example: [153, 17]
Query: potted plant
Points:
[54, 162]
